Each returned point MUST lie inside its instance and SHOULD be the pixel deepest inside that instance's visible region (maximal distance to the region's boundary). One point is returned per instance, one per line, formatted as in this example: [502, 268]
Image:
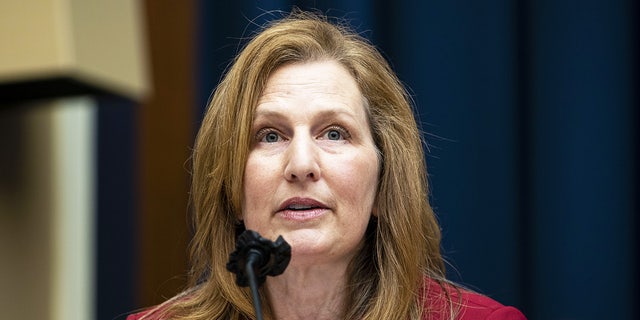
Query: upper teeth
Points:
[299, 207]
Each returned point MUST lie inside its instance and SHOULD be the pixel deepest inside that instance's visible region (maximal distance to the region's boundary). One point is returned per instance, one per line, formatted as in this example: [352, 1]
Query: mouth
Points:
[301, 208]
[299, 204]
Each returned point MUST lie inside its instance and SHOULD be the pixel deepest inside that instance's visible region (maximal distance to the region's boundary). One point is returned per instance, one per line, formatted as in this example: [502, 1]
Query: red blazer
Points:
[470, 306]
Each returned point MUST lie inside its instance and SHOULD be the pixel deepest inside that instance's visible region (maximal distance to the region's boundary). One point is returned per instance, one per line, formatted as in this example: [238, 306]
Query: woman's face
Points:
[312, 171]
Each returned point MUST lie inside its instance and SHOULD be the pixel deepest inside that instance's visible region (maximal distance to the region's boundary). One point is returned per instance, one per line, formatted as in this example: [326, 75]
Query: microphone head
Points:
[270, 258]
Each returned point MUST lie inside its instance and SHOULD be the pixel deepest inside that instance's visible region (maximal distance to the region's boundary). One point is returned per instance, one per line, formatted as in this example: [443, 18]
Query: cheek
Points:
[259, 183]
[359, 182]
[251, 189]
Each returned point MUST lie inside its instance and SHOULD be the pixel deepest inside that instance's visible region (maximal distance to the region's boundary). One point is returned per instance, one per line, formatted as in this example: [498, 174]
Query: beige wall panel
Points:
[100, 43]
[25, 212]
[47, 210]
[30, 33]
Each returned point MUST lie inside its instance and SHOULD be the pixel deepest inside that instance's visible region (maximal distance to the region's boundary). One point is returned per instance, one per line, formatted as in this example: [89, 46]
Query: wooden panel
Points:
[166, 136]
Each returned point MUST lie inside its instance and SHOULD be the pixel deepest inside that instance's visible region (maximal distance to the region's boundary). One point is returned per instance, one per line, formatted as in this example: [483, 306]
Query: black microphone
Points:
[254, 259]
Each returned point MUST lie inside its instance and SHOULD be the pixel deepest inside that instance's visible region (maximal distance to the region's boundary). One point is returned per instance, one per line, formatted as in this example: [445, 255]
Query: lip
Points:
[317, 208]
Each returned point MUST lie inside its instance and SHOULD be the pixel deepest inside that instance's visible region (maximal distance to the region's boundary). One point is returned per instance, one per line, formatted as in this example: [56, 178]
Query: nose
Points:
[302, 160]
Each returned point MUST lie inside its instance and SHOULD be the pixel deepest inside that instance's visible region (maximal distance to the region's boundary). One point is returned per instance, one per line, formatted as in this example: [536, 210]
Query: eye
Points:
[268, 135]
[271, 137]
[336, 133]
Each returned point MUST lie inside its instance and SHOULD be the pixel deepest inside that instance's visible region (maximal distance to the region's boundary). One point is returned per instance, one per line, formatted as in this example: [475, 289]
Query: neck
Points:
[312, 292]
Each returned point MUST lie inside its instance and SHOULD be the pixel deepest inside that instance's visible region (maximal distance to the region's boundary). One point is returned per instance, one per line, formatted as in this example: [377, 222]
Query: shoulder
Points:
[468, 305]
[139, 315]
[477, 306]
[154, 313]
[160, 311]
[136, 316]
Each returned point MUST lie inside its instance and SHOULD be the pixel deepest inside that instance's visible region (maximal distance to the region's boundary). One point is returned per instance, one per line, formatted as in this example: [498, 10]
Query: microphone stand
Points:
[254, 259]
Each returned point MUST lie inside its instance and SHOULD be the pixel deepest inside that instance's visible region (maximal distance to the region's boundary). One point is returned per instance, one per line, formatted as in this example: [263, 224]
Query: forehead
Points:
[328, 78]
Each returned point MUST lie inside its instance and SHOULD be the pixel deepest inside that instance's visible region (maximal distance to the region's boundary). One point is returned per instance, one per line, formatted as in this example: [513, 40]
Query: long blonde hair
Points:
[402, 243]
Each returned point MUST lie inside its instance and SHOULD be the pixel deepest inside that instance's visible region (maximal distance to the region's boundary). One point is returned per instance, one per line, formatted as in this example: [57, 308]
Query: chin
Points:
[307, 242]
[309, 248]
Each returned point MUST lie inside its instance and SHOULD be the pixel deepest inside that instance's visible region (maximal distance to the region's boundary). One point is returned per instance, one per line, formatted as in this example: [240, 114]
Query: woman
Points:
[311, 136]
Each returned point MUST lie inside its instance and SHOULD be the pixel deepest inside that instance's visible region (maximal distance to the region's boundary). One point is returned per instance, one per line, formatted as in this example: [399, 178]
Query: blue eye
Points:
[271, 137]
[268, 135]
[334, 134]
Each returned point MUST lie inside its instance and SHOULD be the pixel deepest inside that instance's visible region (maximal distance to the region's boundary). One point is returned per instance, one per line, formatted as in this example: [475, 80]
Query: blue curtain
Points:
[529, 109]
[583, 150]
